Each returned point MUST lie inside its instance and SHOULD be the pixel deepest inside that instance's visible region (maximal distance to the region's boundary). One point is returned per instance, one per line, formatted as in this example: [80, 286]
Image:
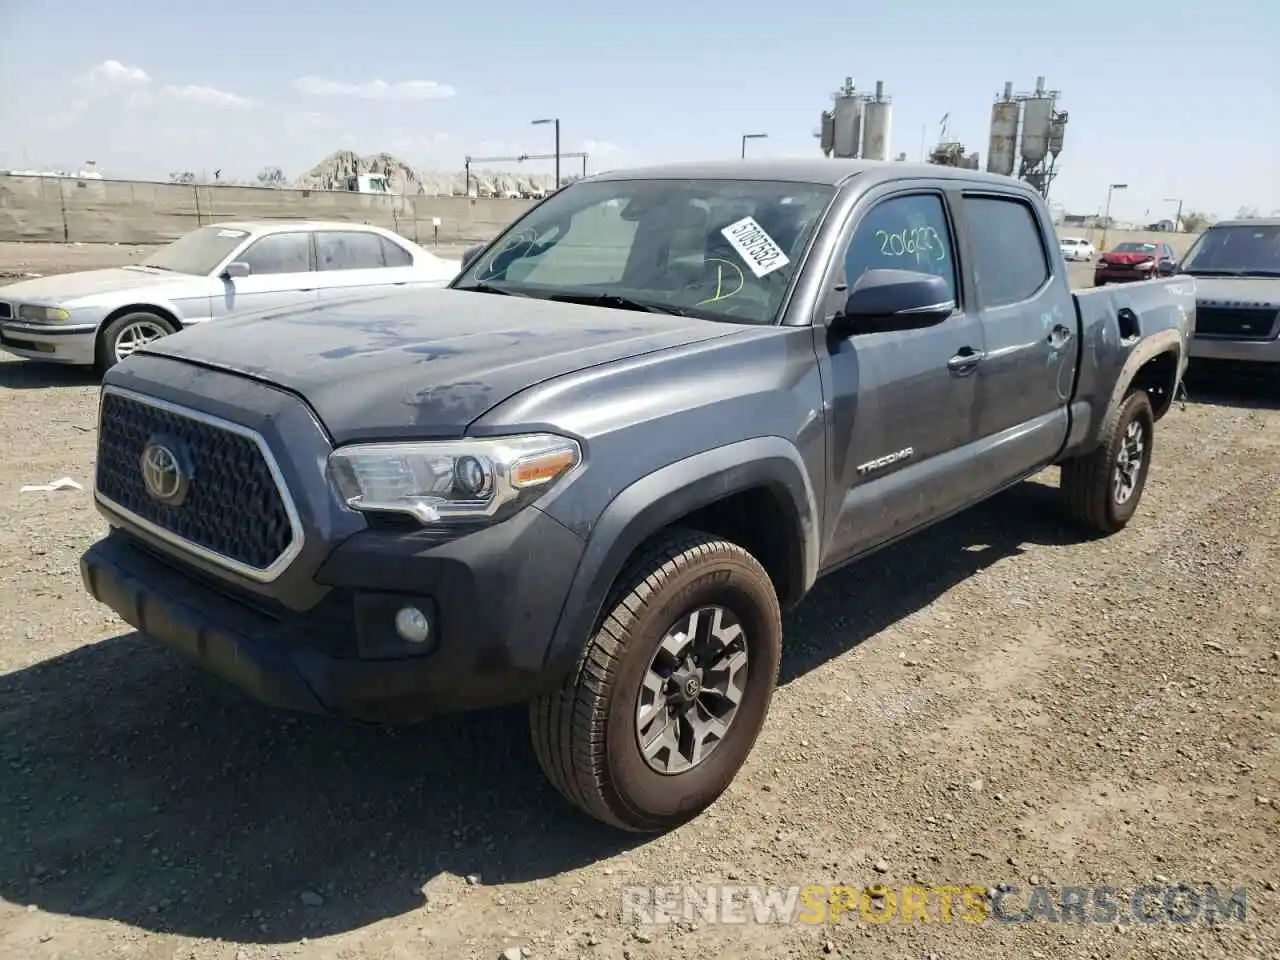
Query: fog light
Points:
[412, 625]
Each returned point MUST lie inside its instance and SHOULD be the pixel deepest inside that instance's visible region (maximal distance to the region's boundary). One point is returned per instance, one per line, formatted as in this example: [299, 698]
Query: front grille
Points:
[233, 511]
[6, 311]
[1237, 322]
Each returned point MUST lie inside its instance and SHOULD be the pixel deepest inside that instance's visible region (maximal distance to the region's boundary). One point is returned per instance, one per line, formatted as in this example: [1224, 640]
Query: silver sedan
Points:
[99, 317]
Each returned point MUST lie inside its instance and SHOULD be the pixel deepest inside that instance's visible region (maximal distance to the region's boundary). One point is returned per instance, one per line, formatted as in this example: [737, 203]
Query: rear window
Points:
[1009, 259]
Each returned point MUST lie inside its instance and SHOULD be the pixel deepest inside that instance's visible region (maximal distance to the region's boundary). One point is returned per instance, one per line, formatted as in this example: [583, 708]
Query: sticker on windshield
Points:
[231, 234]
[757, 248]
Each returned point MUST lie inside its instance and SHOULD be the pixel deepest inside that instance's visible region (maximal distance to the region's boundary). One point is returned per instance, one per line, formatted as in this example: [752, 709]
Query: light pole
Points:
[556, 121]
[1106, 217]
[1177, 217]
[750, 136]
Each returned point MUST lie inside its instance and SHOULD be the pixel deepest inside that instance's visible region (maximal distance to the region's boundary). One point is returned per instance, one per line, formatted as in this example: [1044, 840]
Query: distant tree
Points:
[1193, 221]
[1248, 213]
[185, 176]
[271, 177]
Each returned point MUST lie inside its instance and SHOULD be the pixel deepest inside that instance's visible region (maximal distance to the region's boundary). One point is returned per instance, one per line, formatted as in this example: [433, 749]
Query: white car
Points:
[99, 317]
[1077, 248]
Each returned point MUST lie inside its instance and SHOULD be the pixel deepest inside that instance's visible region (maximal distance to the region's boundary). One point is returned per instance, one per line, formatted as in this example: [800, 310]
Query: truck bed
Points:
[1144, 320]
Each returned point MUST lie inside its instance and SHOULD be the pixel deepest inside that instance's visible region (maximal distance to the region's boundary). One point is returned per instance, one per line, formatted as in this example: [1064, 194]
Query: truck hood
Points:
[63, 288]
[424, 363]
[1256, 292]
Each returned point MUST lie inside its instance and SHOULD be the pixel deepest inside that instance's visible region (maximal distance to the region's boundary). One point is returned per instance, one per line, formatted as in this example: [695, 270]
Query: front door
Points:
[1028, 319]
[900, 404]
[280, 276]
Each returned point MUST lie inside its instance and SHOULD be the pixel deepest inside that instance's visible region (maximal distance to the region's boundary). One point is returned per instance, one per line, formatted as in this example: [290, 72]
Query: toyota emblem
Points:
[163, 474]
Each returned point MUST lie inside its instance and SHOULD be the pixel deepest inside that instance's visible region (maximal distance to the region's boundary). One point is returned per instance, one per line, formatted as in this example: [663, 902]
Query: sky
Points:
[1177, 100]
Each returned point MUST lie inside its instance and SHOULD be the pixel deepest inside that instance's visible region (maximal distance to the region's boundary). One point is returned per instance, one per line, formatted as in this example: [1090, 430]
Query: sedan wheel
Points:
[127, 334]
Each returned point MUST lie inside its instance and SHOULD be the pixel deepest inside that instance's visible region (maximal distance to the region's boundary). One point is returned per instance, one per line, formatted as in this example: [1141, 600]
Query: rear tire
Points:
[126, 333]
[1101, 490]
[588, 733]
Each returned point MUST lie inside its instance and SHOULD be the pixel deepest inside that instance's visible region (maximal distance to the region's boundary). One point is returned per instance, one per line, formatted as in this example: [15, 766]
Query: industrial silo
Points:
[827, 133]
[1037, 116]
[848, 122]
[877, 125]
[1057, 132]
[1003, 144]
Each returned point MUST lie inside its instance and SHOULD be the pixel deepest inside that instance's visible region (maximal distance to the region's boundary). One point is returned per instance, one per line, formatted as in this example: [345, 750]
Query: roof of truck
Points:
[1250, 222]
[817, 170]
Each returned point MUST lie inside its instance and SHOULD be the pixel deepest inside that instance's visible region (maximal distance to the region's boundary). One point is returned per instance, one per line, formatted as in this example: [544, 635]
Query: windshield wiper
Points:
[492, 288]
[618, 303]
[1260, 273]
[1198, 272]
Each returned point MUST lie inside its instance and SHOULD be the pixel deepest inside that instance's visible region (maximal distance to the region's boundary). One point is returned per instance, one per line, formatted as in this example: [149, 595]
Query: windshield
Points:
[1236, 250]
[198, 252]
[1134, 247]
[719, 249]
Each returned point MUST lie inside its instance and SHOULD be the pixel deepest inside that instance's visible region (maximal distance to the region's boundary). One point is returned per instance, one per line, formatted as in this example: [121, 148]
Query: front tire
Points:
[126, 333]
[1102, 489]
[671, 692]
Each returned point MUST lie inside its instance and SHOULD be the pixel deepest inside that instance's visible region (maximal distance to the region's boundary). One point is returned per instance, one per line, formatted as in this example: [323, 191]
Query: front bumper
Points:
[1235, 351]
[1114, 275]
[494, 598]
[53, 342]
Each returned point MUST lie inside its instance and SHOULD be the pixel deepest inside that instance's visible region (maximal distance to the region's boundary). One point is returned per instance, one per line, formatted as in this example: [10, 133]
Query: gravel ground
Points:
[995, 702]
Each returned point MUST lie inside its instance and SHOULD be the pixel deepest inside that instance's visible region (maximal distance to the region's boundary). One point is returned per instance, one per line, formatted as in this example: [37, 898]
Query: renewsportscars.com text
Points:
[1008, 903]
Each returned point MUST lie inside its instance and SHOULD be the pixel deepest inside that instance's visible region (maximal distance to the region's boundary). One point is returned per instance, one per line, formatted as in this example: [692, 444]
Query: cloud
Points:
[114, 74]
[600, 147]
[415, 145]
[208, 96]
[375, 89]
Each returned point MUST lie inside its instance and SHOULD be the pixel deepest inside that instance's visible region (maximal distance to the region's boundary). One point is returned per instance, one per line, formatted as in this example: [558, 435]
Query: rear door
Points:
[351, 262]
[1024, 383]
[901, 402]
[281, 275]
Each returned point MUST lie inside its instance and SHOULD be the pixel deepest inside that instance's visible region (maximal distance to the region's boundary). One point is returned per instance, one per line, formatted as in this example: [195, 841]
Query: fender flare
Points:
[659, 499]
[1151, 346]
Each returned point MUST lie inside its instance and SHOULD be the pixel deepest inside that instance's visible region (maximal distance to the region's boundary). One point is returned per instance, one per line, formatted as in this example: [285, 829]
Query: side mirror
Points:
[236, 270]
[469, 257]
[884, 300]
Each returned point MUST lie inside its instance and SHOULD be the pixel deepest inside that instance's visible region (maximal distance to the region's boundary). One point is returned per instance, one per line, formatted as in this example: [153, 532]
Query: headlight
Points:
[452, 480]
[36, 314]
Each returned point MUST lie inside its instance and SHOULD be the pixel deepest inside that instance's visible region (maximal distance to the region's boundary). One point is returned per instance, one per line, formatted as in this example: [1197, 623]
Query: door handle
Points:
[307, 290]
[965, 360]
[1059, 336]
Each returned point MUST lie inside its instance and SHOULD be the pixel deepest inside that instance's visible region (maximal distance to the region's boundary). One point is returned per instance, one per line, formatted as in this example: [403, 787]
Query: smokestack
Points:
[1008, 90]
[879, 90]
[1039, 84]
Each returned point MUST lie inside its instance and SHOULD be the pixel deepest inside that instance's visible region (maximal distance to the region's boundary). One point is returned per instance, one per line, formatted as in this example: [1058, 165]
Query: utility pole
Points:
[556, 121]
[1106, 217]
[750, 136]
[1177, 217]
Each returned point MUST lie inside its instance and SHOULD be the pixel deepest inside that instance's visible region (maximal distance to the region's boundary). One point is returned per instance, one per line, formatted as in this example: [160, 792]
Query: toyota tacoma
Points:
[592, 474]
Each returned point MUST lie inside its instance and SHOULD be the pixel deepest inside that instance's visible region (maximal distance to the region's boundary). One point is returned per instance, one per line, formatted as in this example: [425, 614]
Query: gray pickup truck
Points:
[1236, 264]
[592, 474]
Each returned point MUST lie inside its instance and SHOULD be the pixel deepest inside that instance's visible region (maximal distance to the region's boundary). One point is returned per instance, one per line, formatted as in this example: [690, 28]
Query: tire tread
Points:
[567, 725]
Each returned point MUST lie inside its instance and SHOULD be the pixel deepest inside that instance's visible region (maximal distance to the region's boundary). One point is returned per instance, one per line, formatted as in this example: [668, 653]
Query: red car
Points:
[1134, 260]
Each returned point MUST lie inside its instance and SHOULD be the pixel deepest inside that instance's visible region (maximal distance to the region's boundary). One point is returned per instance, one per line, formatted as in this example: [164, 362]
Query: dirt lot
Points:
[995, 702]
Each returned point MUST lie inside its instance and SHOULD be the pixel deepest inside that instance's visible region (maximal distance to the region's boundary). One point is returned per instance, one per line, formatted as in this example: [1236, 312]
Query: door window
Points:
[279, 253]
[1009, 259]
[903, 233]
[349, 250]
[394, 255]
